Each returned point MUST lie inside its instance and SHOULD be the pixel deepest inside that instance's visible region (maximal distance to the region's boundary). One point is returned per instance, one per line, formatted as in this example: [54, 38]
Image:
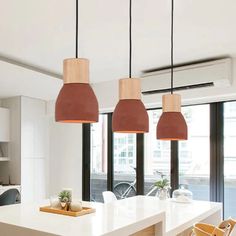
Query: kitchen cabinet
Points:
[4, 124]
[4, 159]
[4, 152]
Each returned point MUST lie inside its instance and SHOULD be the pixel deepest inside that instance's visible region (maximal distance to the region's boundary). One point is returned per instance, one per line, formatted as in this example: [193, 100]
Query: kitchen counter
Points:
[120, 218]
[180, 217]
[124, 217]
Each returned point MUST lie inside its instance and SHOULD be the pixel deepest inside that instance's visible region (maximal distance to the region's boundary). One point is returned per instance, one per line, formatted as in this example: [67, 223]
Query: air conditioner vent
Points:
[187, 87]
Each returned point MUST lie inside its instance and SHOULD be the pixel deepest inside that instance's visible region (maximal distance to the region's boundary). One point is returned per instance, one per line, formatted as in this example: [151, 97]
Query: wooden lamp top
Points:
[171, 103]
[129, 88]
[76, 70]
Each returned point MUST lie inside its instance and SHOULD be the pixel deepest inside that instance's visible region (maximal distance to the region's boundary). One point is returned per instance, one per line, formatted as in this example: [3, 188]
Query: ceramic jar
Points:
[76, 206]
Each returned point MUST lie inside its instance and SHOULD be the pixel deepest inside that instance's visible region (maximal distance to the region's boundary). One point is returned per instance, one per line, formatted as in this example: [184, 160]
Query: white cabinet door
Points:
[33, 180]
[4, 125]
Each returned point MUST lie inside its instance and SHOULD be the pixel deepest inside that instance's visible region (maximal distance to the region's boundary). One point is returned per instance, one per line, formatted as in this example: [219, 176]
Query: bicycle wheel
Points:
[124, 190]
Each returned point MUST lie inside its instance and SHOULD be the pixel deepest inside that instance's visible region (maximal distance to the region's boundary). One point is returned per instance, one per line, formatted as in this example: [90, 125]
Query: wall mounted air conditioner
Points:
[215, 73]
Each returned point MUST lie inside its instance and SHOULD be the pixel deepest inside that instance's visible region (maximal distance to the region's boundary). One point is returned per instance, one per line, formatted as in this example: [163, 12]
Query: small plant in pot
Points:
[65, 199]
[163, 187]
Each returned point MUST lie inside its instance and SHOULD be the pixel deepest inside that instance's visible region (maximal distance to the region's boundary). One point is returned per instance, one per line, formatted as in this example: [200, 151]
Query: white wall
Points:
[65, 156]
[107, 94]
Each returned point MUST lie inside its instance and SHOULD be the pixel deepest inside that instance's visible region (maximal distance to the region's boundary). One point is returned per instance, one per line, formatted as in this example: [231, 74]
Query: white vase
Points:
[54, 202]
[163, 194]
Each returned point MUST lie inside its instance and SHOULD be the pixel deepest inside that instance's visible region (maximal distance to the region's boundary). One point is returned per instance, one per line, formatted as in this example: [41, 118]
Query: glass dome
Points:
[182, 195]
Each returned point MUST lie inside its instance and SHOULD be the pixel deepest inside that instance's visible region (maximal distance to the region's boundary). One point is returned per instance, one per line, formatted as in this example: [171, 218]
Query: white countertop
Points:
[119, 218]
[181, 216]
[9, 186]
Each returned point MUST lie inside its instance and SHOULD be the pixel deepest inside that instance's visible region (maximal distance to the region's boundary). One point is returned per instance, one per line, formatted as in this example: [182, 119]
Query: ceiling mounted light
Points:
[172, 125]
[76, 102]
[130, 115]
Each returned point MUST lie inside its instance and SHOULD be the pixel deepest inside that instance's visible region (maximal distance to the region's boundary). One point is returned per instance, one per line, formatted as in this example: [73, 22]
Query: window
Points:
[194, 154]
[98, 162]
[130, 138]
[156, 154]
[124, 165]
[122, 154]
[229, 159]
[130, 154]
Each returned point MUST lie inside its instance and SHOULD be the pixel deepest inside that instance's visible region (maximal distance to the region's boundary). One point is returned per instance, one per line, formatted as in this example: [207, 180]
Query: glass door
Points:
[194, 154]
[156, 155]
[98, 162]
[124, 165]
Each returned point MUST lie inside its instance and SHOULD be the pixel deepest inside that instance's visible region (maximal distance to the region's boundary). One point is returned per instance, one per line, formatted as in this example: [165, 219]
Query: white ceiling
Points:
[42, 33]
[17, 81]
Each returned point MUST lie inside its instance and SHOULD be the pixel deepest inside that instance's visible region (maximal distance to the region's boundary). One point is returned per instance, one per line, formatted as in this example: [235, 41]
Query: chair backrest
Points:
[226, 226]
[202, 229]
[109, 196]
[9, 197]
[232, 224]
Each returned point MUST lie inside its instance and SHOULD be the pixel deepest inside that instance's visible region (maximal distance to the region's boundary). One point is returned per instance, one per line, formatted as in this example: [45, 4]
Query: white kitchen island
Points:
[139, 215]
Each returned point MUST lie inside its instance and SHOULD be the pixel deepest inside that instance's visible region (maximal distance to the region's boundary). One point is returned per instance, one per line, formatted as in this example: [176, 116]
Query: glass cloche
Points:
[182, 194]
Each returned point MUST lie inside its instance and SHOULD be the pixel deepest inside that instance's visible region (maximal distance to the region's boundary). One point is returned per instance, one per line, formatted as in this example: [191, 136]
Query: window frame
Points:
[216, 156]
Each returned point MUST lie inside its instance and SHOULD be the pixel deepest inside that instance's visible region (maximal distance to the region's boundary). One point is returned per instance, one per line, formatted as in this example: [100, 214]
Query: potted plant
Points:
[163, 187]
[65, 199]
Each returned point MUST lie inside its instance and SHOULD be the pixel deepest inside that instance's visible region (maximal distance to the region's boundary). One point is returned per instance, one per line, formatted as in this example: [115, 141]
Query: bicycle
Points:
[125, 189]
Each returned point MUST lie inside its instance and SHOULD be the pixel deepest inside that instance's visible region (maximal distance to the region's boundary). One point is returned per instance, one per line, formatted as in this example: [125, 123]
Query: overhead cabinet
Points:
[4, 125]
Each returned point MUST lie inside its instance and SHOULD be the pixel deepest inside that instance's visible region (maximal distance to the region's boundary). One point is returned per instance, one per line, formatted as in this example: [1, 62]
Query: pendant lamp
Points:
[76, 102]
[172, 125]
[130, 115]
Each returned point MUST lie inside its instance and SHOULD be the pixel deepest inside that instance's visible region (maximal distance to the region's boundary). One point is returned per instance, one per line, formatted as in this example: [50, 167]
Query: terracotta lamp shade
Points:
[76, 102]
[130, 115]
[172, 125]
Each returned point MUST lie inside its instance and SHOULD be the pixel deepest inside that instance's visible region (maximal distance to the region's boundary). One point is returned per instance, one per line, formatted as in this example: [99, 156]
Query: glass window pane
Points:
[98, 182]
[124, 165]
[229, 159]
[157, 155]
[194, 154]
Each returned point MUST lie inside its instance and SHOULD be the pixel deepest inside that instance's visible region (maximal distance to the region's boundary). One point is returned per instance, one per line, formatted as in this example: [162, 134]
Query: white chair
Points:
[109, 196]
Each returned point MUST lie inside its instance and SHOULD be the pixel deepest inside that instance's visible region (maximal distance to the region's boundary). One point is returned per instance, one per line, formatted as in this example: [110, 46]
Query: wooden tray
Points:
[84, 211]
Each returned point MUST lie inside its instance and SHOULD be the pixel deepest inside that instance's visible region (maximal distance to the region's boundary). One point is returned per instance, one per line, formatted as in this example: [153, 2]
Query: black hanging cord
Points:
[130, 38]
[76, 31]
[172, 46]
